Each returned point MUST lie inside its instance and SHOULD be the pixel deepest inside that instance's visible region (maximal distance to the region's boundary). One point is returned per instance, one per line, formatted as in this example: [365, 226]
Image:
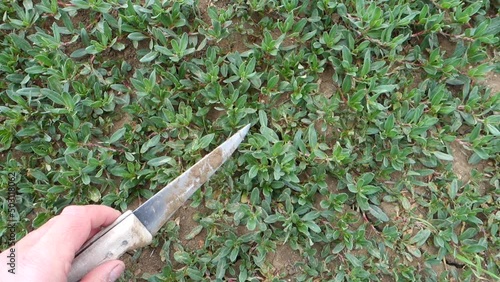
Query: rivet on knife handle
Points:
[129, 234]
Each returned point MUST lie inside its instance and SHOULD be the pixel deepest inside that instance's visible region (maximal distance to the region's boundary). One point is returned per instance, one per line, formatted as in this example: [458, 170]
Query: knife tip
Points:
[245, 129]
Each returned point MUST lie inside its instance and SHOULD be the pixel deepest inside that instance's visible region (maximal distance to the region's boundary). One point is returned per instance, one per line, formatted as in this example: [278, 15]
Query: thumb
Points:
[106, 272]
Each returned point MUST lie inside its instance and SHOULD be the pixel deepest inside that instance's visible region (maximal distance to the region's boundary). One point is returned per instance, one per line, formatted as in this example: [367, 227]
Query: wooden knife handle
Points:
[124, 234]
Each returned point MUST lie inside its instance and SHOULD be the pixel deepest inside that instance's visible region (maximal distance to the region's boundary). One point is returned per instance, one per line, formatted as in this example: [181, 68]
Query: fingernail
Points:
[116, 272]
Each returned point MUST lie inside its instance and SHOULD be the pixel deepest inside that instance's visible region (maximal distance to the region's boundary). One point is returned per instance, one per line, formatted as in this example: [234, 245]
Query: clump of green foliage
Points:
[360, 112]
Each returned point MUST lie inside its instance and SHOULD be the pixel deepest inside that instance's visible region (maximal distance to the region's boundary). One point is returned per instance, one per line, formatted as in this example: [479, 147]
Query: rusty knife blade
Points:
[156, 211]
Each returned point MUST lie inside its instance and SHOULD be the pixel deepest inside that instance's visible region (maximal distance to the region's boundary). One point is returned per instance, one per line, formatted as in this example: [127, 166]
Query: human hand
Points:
[46, 253]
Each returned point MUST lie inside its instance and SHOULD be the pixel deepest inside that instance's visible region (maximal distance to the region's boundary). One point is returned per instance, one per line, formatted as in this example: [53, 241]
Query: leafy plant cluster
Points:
[359, 111]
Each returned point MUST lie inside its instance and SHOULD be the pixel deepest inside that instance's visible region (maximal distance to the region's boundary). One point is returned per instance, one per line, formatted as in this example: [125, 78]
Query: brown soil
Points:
[233, 43]
[186, 218]
[325, 82]
[447, 46]
[493, 81]
[119, 123]
[149, 262]
[461, 165]
[284, 262]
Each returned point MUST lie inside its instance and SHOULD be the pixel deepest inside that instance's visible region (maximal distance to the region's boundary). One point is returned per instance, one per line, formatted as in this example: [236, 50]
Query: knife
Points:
[136, 229]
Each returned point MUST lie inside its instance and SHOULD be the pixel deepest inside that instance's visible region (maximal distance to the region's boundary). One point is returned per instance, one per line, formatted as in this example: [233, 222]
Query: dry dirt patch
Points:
[284, 260]
[493, 81]
[325, 82]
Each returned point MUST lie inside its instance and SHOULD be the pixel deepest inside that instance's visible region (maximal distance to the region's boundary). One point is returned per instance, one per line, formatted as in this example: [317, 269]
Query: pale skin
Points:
[46, 253]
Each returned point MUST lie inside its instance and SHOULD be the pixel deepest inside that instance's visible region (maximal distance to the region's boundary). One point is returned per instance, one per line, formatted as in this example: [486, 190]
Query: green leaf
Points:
[366, 64]
[255, 196]
[146, 193]
[493, 119]
[362, 202]
[221, 268]
[453, 189]
[117, 135]
[347, 84]
[270, 135]
[353, 260]
[129, 156]
[367, 177]
[274, 218]
[370, 189]
[378, 213]
[137, 36]
[40, 219]
[72, 162]
[346, 55]
[85, 179]
[493, 130]
[313, 226]
[37, 174]
[29, 91]
[474, 248]
[28, 131]
[481, 70]
[205, 140]
[196, 230]
[56, 189]
[421, 237]
[474, 134]
[389, 123]
[320, 154]
[195, 274]
[443, 156]
[251, 223]
[149, 57]
[150, 143]
[312, 215]
[312, 137]
[481, 153]
[182, 257]
[52, 95]
[252, 172]
[78, 53]
[355, 100]
[160, 161]
[94, 194]
[262, 118]
[338, 248]
[384, 88]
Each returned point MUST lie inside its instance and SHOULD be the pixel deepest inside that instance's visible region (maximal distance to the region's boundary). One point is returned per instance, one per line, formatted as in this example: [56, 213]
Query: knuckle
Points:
[74, 211]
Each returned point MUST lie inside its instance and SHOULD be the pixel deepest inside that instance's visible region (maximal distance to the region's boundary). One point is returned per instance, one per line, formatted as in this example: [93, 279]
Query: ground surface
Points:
[373, 155]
